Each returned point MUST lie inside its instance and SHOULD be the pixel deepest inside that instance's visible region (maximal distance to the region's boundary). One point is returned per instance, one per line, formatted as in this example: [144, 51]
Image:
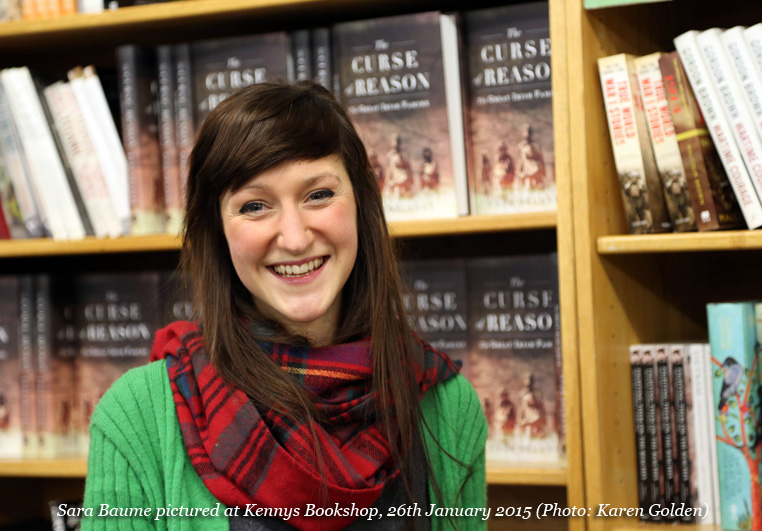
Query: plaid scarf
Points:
[245, 455]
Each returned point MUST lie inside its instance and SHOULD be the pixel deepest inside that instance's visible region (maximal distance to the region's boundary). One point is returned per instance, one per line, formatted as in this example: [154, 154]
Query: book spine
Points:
[26, 365]
[735, 386]
[636, 168]
[11, 438]
[700, 418]
[301, 55]
[719, 129]
[664, 143]
[184, 128]
[666, 425]
[747, 77]
[650, 408]
[641, 449]
[170, 158]
[140, 132]
[731, 98]
[43, 346]
[682, 448]
[46, 168]
[322, 57]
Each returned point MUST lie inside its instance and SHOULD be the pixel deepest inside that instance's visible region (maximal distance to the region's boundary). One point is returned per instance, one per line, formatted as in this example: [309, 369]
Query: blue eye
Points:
[252, 206]
[321, 194]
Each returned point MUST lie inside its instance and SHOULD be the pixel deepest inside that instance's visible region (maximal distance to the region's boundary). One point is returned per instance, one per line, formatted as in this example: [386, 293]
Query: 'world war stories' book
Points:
[437, 305]
[513, 325]
[737, 412]
[393, 85]
[510, 116]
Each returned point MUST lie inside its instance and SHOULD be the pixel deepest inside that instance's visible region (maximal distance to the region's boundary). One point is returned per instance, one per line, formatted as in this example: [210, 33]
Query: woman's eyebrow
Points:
[306, 182]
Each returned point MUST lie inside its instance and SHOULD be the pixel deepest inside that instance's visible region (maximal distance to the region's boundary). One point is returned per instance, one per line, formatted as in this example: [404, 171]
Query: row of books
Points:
[500, 318]
[40, 9]
[698, 426]
[63, 342]
[686, 131]
[454, 110]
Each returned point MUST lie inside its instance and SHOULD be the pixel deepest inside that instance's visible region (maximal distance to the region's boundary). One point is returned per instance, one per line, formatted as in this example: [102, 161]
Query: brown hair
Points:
[252, 131]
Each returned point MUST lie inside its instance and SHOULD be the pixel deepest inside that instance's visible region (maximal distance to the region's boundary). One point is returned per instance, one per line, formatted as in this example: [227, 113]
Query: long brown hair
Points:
[256, 129]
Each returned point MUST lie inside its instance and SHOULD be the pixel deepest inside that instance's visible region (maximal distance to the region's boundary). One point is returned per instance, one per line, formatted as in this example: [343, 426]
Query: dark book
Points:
[185, 130]
[11, 437]
[26, 365]
[170, 156]
[65, 515]
[653, 444]
[220, 66]
[437, 305]
[712, 196]
[399, 89]
[513, 328]
[322, 57]
[176, 299]
[138, 91]
[301, 55]
[116, 316]
[638, 415]
[510, 150]
[666, 425]
[685, 490]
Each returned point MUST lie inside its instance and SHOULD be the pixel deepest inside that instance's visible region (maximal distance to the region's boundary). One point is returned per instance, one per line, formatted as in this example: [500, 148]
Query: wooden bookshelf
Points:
[735, 240]
[520, 475]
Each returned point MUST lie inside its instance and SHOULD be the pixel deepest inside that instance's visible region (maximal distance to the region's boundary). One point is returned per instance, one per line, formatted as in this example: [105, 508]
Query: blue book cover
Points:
[736, 387]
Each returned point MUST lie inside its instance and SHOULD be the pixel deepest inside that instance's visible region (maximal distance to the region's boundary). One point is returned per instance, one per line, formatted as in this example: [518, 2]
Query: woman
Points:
[301, 396]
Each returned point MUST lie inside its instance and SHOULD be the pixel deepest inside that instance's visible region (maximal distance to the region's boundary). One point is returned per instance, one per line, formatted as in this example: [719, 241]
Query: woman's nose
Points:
[294, 235]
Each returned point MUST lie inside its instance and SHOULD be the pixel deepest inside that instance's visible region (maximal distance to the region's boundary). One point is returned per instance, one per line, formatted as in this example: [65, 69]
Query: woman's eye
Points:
[321, 194]
[251, 207]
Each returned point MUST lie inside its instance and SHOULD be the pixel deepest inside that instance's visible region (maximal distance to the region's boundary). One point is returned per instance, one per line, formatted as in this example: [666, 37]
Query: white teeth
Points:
[298, 270]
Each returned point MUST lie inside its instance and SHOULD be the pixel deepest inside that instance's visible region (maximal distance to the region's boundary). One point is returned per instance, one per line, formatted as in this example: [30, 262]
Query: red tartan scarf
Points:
[246, 455]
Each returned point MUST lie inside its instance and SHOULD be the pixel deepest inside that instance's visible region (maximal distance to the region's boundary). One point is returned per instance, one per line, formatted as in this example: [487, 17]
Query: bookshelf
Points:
[634, 289]
[82, 39]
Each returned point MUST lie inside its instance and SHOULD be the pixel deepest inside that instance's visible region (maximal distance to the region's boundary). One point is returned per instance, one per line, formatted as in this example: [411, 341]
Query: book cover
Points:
[735, 387]
[513, 318]
[116, 316]
[437, 304]
[185, 130]
[13, 221]
[639, 423]
[653, 441]
[26, 365]
[719, 128]
[642, 193]
[393, 85]
[11, 436]
[685, 488]
[322, 56]
[170, 155]
[301, 55]
[711, 193]
[176, 299]
[220, 66]
[666, 150]
[510, 109]
[138, 95]
[665, 399]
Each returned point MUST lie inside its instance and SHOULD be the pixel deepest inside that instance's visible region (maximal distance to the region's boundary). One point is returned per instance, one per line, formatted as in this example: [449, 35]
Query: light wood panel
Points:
[521, 475]
[736, 240]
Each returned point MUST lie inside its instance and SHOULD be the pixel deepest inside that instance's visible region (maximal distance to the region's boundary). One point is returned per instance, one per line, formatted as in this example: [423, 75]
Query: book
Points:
[685, 477]
[641, 189]
[140, 130]
[170, 155]
[437, 305]
[115, 316]
[639, 422]
[661, 131]
[664, 394]
[11, 436]
[510, 112]
[322, 57]
[712, 195]
[26, 365]
[185, 130]
[10, 211]
[513, 320]
[220, 66]
[747, 76]
[399, 81]
[653, 441]
[735, 387]
[719, 128]
[301, 55]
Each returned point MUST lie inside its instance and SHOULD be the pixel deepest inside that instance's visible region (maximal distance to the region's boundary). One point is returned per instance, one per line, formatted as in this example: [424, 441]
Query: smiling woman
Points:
[301, 386]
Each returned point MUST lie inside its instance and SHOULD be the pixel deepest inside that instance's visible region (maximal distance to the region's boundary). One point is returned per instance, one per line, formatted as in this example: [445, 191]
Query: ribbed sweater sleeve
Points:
[455, 425]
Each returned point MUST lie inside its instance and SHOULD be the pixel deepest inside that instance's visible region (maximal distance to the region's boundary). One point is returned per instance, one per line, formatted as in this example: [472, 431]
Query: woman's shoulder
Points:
[452, 409]
[455, 394]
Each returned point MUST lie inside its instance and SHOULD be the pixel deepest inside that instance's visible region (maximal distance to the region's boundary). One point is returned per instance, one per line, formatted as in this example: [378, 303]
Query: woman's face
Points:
[292, 234]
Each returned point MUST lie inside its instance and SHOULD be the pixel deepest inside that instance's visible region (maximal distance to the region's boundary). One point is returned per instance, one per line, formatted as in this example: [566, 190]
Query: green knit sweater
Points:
[138, 458]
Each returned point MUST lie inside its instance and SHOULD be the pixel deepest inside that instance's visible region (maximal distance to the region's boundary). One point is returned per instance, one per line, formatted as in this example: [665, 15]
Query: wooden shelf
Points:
[735, 240]
[662, 527]
[165, 242]
[521, 475]
[75, 467]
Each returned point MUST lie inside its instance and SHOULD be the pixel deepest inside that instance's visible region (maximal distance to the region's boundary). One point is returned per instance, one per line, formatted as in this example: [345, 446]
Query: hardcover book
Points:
[220, 66]
[685, 454]
[11, 436]
[639, 421]
[513, 328]
[138, 94]
[170, 155]
[641, 189]
[736, 390]
[711, 193]
[653, 442]
[510, 109]
[437, 305]
[394, 84]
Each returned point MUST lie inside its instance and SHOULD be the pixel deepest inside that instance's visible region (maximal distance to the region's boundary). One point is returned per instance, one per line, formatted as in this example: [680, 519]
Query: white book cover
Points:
[746, 75]
[81, 155]
[733, 103]
[666, 150]
[753, 37]
[101, 127]
[45, 165]
[719, 128]
[699, 418]
[711, 431]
